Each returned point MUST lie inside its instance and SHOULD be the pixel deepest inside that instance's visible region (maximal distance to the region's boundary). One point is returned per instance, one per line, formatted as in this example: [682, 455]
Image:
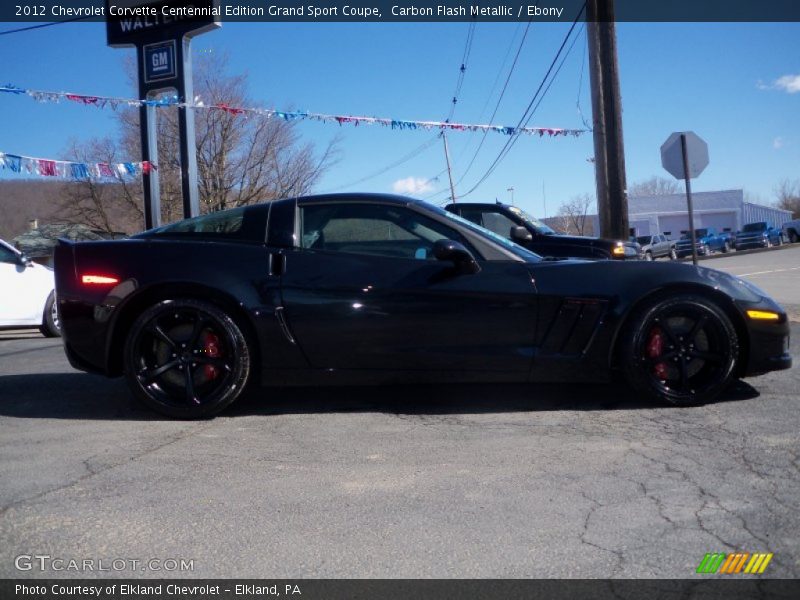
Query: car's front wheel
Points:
[673, 254]
[186, 358]
[683, 350]
[648, 255]
[51, 326]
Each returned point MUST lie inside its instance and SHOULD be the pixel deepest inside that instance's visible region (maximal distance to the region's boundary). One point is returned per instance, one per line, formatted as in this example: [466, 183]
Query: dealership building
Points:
[725, 210]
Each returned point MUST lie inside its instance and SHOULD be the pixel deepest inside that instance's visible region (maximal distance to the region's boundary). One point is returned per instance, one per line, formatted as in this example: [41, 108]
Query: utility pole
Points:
[449, 172]
[609, 154]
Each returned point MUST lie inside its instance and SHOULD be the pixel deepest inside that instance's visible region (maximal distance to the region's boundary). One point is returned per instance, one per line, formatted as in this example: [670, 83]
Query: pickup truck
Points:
[521, 228]
[707, 240]
[758, 235]
[791, 231]
[656, 246]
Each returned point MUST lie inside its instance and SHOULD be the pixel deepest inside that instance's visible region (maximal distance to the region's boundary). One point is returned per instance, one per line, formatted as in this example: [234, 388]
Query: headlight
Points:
[752, 287]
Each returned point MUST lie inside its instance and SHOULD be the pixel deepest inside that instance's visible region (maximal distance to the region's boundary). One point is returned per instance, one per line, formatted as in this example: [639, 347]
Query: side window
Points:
[498, 223]
[7, 255]
[377, 230]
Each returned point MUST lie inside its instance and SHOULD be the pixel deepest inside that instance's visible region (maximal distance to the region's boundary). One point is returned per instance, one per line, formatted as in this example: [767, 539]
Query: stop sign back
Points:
[672, 154]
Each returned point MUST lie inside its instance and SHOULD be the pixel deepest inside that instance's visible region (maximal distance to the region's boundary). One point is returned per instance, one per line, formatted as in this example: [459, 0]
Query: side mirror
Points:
[23, 260]
[520, 234]
[457, 254]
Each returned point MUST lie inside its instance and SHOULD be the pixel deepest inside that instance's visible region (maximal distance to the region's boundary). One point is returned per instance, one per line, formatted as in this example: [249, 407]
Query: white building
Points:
[725, 210]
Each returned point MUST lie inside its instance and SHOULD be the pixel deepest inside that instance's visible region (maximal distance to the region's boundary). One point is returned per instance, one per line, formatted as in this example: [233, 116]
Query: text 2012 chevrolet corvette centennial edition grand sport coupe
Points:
[377, 289]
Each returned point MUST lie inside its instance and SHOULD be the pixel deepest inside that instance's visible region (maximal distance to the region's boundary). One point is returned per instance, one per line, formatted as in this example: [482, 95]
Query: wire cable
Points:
[528, 114]
[41, 25]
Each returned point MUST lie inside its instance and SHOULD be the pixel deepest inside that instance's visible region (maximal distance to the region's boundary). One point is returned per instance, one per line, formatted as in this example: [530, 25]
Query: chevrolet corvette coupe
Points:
[377, 289]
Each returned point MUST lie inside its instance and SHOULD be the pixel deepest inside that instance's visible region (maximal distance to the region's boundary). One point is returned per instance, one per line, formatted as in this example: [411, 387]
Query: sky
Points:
[736, 85]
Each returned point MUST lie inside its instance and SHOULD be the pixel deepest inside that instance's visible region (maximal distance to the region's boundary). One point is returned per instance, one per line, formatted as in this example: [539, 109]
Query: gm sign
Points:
[159, 61]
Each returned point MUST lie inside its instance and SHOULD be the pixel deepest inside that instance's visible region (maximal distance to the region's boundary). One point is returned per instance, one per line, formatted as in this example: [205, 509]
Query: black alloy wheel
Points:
[186, 358]
[683, 350]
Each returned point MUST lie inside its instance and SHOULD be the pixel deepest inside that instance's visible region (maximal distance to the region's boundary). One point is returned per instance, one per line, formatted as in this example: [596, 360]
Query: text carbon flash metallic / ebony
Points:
[361, 288]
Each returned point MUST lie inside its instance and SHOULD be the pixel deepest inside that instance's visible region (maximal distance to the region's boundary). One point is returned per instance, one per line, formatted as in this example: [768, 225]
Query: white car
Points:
[27, 296]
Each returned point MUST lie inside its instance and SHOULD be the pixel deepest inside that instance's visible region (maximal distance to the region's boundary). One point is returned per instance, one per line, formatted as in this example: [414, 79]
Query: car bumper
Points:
[768, 345]
[759, 243]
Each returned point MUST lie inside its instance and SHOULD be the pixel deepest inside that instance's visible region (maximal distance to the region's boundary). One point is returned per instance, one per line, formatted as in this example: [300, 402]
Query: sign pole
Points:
[148, 127]
[688, 181]
[191, 204]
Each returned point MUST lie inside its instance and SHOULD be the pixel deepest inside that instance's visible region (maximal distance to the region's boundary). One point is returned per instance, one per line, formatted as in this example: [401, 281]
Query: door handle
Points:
[276, 264]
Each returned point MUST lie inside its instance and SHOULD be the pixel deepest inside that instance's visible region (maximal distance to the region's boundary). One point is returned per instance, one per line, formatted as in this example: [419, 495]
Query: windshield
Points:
[540, 227]
[643, 239]
[755, 227]
[697, 232]
[481, 231]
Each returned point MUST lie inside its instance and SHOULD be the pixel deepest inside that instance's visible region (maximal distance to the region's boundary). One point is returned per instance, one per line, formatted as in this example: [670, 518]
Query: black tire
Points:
[793, 236]
[648, 255]
[726, 247]
[51, 324]
[682, 350]
[186, 358]
[673, 254]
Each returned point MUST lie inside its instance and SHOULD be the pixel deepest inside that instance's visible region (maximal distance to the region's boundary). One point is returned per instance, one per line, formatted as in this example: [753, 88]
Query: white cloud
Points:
[788, 83]
[778, 143]
[412, 185]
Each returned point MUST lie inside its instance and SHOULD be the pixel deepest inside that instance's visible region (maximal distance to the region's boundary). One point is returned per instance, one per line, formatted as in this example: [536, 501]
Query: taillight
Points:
[92, 279]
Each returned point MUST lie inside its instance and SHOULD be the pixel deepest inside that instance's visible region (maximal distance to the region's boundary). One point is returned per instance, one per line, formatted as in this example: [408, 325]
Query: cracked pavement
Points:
[422, 481]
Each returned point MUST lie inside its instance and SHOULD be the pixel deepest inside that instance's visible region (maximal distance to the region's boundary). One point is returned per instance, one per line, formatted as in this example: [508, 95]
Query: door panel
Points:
[351, 311]
[23, 293]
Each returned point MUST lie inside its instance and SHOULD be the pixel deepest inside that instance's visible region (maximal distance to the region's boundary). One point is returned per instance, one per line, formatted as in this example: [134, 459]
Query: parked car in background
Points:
[707, 240]
[791, 231]
[758, 235]
[27, 297]
[529, 232]
[656, 246]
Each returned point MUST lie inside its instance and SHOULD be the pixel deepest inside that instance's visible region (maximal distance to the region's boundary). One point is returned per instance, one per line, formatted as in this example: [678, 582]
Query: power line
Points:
[41, 25]
[463, 69]
[499, 100]
[528, 114]
[415, 152]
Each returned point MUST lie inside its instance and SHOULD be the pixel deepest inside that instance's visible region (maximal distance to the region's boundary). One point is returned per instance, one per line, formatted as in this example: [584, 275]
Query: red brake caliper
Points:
[655, 346]
[211, 349]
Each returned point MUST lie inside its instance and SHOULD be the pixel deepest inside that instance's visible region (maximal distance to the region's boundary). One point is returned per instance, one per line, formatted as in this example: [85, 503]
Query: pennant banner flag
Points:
[114, 103]
[46, 167]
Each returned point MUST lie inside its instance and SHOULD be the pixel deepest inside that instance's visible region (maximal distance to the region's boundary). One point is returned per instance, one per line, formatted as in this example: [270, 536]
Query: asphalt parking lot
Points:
[423, 481]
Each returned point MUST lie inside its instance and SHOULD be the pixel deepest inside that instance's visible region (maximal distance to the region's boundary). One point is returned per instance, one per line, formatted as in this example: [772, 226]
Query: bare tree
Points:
[788, 194]
[572, 214]
[102, 206]
[242, 158]
[655, 186]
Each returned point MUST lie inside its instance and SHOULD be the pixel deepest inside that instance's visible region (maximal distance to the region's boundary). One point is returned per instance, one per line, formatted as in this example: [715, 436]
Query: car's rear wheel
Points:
[51, 326]
[793, 236]
[682, 350]
[186, 358]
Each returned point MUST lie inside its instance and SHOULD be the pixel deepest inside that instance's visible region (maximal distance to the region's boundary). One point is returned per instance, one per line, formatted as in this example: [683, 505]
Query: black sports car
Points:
[363, 288]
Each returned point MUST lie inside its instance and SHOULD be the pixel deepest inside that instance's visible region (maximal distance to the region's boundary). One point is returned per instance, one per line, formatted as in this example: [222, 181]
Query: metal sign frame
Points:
[148, 24]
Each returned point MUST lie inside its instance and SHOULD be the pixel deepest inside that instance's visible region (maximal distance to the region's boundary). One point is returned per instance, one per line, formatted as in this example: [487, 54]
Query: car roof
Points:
[358, 196]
